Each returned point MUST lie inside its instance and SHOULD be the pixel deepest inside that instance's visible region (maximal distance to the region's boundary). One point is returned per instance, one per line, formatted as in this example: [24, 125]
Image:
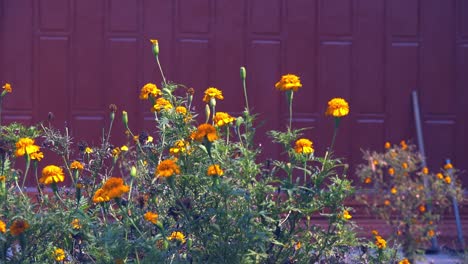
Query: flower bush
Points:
[407, 196]
[182, 193]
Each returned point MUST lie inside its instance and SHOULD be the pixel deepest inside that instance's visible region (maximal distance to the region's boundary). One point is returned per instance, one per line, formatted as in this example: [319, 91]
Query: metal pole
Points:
[419, 133]
[455, 210]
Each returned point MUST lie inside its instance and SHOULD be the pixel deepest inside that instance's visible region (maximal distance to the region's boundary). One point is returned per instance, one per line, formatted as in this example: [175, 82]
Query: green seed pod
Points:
[243, 73]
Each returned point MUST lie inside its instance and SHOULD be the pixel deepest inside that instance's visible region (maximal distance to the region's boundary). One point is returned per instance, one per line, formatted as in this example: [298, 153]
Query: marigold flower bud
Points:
[133, 171]
[243, 73]
[125, 119]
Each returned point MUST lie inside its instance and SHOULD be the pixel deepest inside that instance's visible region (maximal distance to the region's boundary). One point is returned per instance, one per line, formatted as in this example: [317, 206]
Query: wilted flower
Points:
[289, 82]
[18, 227]
[337, 107]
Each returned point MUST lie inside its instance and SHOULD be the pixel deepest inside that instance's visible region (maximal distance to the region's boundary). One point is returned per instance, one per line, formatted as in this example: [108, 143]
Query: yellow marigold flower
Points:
[375, 232]
[180, 146]
[2, 227]
[154, 41]
[447, 179]
[52, 174]
[76, 223]
[18, 227]
[394, 190]
[161, 104]
[212, 92]
[404, 165]
[205, 130]
[347, 215]
[387, 145]
[149, 90]
[100, 196]
[37, 156]
[422, 208]
[181, 110]
[88, 150]
[367, 180]
[289, 82]
[303, 145]
[404, 261]
[115, 152]
[448, 166]
[177, 235]
[167, 168]
[124, 148]
[380, 242]
[440, 175]
[403, 145]
[387, 202]
[59, 254]
[2, 178]
[214, 170]
[425, 171]
[76, 165]
[337, 107]
[391, 171]
[223, 119]
[25, 146]
[430, 233]
[151, 217]
[7, 87]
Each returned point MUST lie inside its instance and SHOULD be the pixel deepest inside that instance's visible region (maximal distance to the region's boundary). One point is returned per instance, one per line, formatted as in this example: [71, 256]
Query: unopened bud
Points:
[133, 171]
[125, 119]
[243, 73]
[155, 47]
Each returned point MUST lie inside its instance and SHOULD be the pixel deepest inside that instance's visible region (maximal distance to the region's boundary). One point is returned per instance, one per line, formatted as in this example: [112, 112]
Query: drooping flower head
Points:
[304, 146]
[205, 130]
[177, 235]
[59, 254]
[214, 170]
[289, 82]
[25, 146]
[151, 217]
[18, 227]
[167, 168]
[52, 174]
[223, 119]
[161, 104]
[149, 90]
[337, 107]
[212, 92]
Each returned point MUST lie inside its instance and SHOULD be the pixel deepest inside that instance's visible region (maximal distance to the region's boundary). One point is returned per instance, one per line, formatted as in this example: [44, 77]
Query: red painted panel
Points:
[52, 79]
[463, 17]
[301, 50]
[461, 139]
[88, 87]
[441, 134]
[54, 15]
[369, 60]
[437, 89]
[194, 16]
[265, 16]
[336, 17]
[402, 72]
[368, 134]
[123, 15]
[193, 67]
[404, 17]
[88, 127]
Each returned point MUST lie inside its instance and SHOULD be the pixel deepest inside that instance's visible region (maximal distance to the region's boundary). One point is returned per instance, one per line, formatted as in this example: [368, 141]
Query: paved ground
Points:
[443, 258]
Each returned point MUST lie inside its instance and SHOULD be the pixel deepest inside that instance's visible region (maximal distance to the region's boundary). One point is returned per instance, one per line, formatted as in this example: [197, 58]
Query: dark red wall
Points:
[75, 57]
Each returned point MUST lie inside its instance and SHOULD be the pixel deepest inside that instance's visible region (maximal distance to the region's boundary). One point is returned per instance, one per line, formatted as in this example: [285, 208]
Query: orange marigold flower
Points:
[447, 179]
[167, 168]
[223, 119]
[422, 208]
[180, 146]
[430, 233]
[76, 223]
[205, 130]
[37, 156]
[448, 166]
[2, 227]
[151, 217]
[303, 145]
[297, 245]
[100, 196]
[7, 87]
[59, 254]
[2, 178]
[177, 235]
[394, 190]
[289, 82]
[115, 187]
[25, 146]
[52, 174]
[425, 171]
[380, 242]
[154, 41]
[387, 145]
[212, 92]
[404, 165]
[375, 232]
[337, 107]
[347, 215]
[375, 162]
[387, 202]
[403, 145]
[440, 175]
[161, 104]
[214, 170]
[391, 171]
[181, 110]
[367, 180]
[149, 90]
[76, 165]
[404, 261]
[18, 227]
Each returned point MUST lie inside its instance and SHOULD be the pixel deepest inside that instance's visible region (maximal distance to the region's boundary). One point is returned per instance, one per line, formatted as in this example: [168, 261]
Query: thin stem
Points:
[335, 132]
[305, 172]
[160, 69]
[290, 108]
[244, 85]
[28, 164]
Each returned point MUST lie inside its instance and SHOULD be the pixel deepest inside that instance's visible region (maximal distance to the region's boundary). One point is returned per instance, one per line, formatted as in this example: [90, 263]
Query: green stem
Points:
[305, 172]
[28, 164]
[291, 95]
[245, 95]
[160, 69]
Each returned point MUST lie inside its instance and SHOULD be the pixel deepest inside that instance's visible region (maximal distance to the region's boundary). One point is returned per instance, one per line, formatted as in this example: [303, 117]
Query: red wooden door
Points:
[75, 57]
